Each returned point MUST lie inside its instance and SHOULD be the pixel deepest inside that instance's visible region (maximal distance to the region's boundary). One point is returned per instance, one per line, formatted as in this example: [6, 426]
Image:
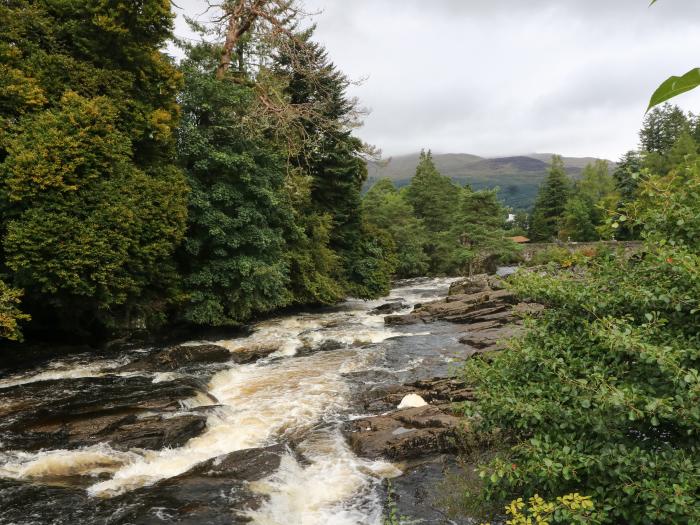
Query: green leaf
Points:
[674, 86]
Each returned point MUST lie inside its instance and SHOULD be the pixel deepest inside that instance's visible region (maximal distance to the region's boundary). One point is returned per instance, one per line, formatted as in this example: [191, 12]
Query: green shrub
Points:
[602, 395]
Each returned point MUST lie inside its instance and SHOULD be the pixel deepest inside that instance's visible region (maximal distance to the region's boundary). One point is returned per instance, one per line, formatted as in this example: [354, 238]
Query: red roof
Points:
[519, 239]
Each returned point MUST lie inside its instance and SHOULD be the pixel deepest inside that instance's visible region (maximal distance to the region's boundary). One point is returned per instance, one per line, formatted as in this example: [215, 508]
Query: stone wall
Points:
[530, 249]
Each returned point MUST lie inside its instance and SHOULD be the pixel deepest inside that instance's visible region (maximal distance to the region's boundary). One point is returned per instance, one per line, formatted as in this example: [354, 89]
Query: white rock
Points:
[412, 401]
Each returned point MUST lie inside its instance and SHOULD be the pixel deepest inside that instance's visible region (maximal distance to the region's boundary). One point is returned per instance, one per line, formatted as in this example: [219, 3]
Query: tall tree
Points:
[233, 259]
[92, 203]
[386, 209]
[479, 228]
[433, 196]
[333, 158]
[550, 203]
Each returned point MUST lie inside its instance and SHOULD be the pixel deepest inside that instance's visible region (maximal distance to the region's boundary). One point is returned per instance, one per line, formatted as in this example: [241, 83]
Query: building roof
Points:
[519, 239]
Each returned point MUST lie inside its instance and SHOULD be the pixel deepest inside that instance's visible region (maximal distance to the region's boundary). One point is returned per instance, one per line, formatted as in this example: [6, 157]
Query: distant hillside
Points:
[518, 177]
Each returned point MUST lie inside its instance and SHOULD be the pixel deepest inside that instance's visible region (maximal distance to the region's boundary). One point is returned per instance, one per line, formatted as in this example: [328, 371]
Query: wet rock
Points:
[242, 465]
[408, 433]
[124, 411]
[389, 308]
[397, 320]
[326, 346]
[215, 491]
[470, 285]
[253, 353]
[176, 357]
[491, 339]
[426, 492]
[440, 391]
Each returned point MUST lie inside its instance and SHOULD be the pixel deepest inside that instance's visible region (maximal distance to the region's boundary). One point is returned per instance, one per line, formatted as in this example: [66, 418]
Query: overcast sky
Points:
[501, 77]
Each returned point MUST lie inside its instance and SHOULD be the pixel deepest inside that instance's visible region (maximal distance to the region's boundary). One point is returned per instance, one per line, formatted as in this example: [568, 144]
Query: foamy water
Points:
[282, 398]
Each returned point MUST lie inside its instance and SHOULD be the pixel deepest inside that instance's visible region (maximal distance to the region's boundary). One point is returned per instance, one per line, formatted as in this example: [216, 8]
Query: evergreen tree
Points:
[579, 220]
[435, 199]
[433, 196]
[479, 228]
[92, 205]
[332, 157]
[661, 129]
[661, 132]
[627, 175]
[550, 202]
[385, 209]
[233, 260]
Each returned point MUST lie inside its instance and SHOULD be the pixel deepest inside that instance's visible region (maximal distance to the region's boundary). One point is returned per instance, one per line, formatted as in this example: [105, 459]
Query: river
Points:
[291, 397]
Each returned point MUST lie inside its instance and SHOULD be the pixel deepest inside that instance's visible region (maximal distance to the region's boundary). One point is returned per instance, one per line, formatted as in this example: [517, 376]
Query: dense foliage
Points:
[92, 203]
[602, 394]
[134, 192]
[437, 227]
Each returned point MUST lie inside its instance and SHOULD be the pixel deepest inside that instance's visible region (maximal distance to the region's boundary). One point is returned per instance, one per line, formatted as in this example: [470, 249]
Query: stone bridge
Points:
[530, 249]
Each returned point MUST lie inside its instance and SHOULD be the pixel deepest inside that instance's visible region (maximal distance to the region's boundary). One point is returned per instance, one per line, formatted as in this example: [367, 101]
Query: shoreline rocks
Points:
[126, 412]
[404, 434]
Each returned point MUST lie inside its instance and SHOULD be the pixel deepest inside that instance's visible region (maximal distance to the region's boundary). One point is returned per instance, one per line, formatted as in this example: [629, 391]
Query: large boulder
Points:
[252, 353]
[127, 412]
[469, 285]
[176, 357]
[441, 392]
[404, 434]
[389, 308]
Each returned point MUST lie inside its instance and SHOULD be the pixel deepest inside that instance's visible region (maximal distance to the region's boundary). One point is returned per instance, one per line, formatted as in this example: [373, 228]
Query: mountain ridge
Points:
[517, 176]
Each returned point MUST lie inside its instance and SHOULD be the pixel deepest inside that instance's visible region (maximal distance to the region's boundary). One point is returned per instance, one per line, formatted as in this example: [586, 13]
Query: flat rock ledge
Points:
[489, 312]
[126, 412]
[404, 434]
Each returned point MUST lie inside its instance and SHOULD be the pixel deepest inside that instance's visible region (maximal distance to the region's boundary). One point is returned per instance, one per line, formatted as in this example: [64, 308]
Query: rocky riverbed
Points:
[299, 422]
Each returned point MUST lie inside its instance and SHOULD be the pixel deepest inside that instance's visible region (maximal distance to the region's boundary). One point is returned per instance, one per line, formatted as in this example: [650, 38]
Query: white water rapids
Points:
[282, 398]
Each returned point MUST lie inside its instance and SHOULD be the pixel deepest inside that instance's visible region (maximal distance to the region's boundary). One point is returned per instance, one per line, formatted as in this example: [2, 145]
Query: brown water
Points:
[284, 398]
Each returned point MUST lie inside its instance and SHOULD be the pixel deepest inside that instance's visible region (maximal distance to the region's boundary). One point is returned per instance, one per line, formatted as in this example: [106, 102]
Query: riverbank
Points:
[261, 428]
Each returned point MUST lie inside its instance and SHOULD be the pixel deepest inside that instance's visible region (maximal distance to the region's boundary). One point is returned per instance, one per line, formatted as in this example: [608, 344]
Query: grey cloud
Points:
[507, 76]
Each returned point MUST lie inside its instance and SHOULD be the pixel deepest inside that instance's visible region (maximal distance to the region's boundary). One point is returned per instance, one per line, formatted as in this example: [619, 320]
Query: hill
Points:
[518, 177]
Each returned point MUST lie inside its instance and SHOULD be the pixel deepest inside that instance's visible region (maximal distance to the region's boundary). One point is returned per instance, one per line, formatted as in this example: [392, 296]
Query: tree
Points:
[479, 228]
[433, 196]
[627, 175]
[579, 220]
[663, 128]
[333, 158]
[385, 209]
[10, 314]
[233, 259]
[92, 204]
[550, 203]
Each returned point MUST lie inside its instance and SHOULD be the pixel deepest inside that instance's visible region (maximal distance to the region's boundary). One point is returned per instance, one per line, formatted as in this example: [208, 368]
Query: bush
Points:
[602, 394]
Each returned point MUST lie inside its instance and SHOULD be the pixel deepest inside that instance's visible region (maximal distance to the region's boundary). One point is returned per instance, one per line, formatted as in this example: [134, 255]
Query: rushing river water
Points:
[290, 397]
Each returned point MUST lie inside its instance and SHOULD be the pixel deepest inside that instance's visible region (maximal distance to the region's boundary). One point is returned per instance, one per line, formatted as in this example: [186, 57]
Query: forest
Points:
[140, 193]
[137, 192]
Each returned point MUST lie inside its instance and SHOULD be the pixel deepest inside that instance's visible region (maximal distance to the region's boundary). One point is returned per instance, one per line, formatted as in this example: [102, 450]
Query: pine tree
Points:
[331, 155]
[550, 203]
[479, 228]
[433, 196]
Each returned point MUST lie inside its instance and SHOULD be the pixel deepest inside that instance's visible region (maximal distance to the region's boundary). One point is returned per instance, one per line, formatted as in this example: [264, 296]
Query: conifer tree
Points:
[232, 261]
[550, 202]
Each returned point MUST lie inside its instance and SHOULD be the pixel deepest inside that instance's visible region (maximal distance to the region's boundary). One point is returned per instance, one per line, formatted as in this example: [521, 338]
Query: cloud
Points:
[498, 77]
